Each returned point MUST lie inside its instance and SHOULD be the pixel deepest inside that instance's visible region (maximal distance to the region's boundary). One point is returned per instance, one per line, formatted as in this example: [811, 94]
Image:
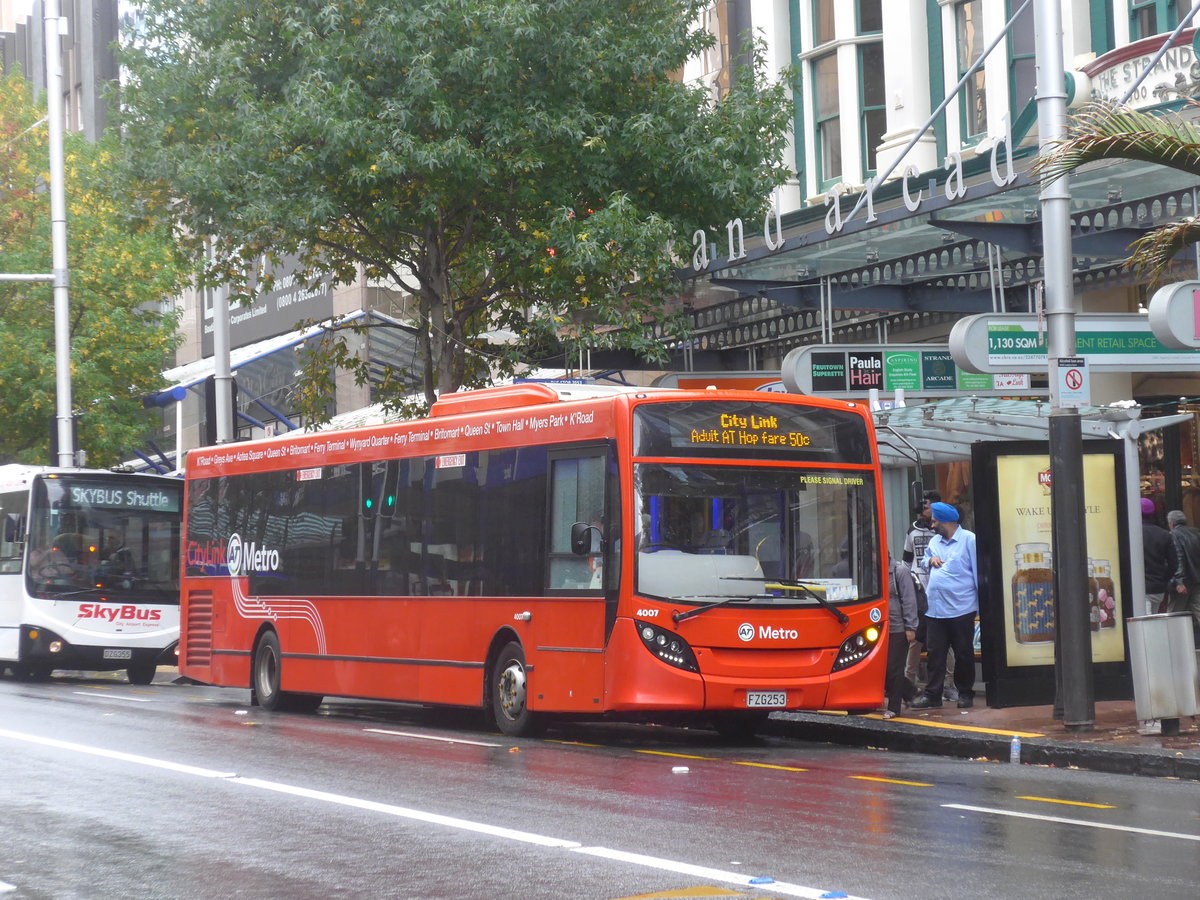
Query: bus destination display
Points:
[145, 499]
[734, 430]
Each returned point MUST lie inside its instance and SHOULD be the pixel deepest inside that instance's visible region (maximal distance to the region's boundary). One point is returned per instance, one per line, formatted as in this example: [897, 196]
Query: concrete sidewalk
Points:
[1114, 745]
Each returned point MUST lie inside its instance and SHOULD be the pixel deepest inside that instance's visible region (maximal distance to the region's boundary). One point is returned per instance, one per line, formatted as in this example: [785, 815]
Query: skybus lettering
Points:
[127, 613]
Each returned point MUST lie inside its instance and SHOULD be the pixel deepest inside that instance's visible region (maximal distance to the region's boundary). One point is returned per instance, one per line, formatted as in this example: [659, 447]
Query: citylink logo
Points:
[746, 632]
[249, 557]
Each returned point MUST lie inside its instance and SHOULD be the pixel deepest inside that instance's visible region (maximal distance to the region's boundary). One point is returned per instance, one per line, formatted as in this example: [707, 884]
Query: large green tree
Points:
[516, 164]
[120, 270]
[1103, 132]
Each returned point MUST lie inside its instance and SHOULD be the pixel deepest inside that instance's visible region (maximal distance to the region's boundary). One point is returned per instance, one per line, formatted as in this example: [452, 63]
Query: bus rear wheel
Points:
[141, 673]
[265, 679]
[510, 693]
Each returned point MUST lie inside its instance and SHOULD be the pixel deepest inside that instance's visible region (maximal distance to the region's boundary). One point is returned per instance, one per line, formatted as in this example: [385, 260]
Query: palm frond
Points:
[1102, 131]
[1152, 253]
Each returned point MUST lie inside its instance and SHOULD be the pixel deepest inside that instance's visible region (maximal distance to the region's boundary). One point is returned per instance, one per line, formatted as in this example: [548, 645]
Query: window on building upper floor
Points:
[823, 24]
[1149, 17]
[1022, 70]
[827, 116]
[969, 37]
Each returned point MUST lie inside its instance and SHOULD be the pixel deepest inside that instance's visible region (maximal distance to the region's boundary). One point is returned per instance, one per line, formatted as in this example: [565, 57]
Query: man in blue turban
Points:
[953, 595]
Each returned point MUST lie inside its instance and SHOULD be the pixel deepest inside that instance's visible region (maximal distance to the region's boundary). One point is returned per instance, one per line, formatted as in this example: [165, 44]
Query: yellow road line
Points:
[892, 781]
[768, 766]
[573, 743]
[1069, 802]
[1006, 732]
[680, 755]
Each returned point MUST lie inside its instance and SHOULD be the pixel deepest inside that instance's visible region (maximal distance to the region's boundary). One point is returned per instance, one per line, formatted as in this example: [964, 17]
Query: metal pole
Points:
[58, 238]
[1073, 631]
[222, 375]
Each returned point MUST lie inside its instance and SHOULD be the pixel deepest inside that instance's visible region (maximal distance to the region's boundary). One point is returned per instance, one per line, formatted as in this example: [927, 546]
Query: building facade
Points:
[912, 206]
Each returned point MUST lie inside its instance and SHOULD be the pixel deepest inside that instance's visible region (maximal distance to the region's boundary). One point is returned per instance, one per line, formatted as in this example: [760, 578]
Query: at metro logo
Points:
[126, 613]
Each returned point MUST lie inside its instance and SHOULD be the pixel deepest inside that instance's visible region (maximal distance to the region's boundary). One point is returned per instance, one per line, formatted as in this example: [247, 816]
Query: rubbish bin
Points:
[1162, 657]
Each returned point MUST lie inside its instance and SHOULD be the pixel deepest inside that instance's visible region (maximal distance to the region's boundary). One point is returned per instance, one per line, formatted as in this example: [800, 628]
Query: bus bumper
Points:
[43, 648]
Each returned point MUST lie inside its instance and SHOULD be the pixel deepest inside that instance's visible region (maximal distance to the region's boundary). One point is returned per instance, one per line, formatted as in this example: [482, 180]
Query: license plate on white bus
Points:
[118, 653]
[766, 699]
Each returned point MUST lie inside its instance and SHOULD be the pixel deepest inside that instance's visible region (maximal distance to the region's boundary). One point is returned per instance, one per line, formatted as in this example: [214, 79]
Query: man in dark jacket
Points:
[1158, 553]
[1184, 591]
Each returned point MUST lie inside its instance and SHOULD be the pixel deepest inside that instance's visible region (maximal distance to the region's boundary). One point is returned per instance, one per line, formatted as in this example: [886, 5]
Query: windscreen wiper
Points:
[724, 601]
[788, 585]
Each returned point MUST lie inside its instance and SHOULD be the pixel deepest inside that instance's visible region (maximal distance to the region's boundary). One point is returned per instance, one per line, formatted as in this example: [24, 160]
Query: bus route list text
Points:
[319, 445]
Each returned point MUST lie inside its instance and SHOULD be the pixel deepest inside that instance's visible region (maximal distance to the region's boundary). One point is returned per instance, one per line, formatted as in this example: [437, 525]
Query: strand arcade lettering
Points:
[954, 187]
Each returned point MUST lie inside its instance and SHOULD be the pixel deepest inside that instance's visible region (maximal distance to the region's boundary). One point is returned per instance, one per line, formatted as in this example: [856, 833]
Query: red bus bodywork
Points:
[583, 653]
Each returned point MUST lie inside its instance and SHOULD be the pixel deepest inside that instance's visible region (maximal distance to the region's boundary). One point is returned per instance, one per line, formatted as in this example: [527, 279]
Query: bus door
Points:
[12, 550]
[570, 648]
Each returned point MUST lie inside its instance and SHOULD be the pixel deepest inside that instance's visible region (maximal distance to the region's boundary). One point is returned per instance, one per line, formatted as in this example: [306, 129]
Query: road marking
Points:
[1104, 825]
[117, 697]
[116, 754]
[769, 766]
[572, 743]
[1069, 802]
[954, 726]
[736, 878]
[891, 781]
[677, 755]
[669, 865]
[431, 737]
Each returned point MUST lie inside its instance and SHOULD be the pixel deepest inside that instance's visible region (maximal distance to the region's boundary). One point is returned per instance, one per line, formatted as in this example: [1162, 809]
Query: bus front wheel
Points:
[141, 673]
[265, 680]
[510, 693]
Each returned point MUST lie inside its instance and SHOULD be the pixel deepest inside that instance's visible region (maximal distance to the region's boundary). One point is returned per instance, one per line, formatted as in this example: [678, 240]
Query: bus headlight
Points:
[56, 646]
[856, 647]
[667, 646]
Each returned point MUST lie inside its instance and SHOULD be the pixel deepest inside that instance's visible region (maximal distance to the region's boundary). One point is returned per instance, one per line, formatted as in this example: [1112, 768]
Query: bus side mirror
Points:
[581, 538]
[916, 496]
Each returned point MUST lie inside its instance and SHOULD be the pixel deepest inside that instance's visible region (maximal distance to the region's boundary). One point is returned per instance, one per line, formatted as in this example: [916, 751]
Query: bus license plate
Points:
[111, 653]
[766, 699]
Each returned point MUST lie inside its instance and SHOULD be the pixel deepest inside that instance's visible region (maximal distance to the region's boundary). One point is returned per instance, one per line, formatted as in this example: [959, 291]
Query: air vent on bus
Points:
[198, 649]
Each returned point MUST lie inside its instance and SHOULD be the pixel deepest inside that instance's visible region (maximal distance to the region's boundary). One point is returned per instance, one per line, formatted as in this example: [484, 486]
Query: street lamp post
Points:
[58, 237]
[1073, 646]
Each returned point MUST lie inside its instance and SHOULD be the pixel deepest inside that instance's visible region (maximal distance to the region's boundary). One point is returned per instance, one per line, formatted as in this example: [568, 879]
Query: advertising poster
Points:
[1011, 491]
[1026, 560]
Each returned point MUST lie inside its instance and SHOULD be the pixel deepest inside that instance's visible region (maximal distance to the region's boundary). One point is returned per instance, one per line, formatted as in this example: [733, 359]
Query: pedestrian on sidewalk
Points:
[915, 542]
[1158, 557]
[953, 596]
[1184, 593]
[902, 631]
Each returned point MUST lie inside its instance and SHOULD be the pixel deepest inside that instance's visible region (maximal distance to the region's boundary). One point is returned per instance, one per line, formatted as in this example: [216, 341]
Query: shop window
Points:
[1148, 17]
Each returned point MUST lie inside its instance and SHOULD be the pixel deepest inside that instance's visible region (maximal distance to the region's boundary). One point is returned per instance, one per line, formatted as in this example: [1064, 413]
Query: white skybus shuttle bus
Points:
[89, 571]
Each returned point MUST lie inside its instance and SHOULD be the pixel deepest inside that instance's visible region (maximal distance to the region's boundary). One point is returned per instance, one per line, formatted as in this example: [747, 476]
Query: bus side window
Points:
[576, 495]
[12, 542]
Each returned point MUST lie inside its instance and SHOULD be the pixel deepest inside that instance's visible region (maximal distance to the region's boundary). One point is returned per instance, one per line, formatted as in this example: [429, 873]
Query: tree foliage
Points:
[1103, 131]
[120, 271]
[517, 164]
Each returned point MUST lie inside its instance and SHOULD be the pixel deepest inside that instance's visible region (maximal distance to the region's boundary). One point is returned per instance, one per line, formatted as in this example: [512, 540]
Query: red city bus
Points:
[544, 549]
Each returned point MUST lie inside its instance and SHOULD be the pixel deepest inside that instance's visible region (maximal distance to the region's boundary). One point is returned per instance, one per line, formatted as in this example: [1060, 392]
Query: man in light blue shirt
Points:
[953, 595]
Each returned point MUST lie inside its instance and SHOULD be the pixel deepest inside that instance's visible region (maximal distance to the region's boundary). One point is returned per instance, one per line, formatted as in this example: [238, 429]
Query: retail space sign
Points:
[1016, 342]
[920, 370]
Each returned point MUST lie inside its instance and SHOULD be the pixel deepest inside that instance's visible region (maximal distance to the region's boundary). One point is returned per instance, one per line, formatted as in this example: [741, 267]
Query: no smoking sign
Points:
[1074, 388]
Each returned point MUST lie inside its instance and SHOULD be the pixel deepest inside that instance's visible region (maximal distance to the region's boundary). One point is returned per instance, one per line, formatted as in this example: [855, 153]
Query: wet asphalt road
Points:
[176, 791]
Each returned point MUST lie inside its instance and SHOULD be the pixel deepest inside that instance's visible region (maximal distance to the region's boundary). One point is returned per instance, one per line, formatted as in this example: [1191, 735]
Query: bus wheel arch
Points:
[266, 668]
[508, 689]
